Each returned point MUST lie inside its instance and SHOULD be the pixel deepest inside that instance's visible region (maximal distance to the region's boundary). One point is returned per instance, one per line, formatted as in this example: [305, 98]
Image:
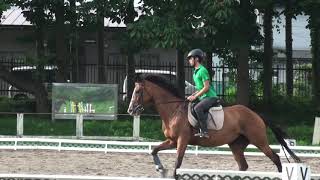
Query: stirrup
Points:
[202, 134]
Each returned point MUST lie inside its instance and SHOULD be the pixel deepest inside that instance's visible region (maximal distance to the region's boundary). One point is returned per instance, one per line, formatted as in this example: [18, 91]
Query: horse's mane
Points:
[163, 83]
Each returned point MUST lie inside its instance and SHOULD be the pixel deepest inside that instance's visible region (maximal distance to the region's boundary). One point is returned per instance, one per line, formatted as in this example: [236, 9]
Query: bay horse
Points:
[241, 125]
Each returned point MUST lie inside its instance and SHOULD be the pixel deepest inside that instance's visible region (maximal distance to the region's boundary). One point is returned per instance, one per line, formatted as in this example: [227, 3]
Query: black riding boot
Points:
[203, 130]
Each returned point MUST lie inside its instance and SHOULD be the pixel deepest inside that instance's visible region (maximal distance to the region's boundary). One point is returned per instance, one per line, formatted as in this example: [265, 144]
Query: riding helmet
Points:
[196, 53]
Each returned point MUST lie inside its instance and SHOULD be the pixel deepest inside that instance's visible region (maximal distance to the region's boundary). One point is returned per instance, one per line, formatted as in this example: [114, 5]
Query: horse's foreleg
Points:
[181, 149]
[168, 144]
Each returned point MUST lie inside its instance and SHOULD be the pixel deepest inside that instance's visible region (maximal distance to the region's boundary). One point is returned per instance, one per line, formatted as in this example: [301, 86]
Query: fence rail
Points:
[69, 177]
[197, 174]
[137, 147]
[183, 174]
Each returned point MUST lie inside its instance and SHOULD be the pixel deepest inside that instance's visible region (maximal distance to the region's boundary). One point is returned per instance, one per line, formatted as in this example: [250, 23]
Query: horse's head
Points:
[139, 97]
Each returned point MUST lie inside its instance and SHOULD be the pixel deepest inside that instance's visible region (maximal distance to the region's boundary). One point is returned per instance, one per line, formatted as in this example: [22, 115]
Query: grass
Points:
[150, 128]
[42, 125]
[295, 117]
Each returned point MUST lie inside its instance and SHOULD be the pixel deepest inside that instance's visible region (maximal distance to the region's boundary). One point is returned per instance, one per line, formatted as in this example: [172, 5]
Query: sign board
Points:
[94, 101]
[296, 171]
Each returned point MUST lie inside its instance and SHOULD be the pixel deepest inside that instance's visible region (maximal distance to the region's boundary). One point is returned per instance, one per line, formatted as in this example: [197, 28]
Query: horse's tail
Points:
[280, 134]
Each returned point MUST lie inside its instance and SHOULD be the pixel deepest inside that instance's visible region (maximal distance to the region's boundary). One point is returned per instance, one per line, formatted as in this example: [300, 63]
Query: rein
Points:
[168, 102]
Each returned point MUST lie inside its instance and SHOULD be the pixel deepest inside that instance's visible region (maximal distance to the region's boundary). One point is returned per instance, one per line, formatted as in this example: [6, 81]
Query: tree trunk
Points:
[180, 82]
[209, 65]
[61, 47]
[100, 42]
[130, 75]
[243, 76]
[289, 71]
[74, 41]
[36, 86]
[243, 57]
[42, 101]
[131, 14]
[268, 55]
[39, 32]
[315, 50]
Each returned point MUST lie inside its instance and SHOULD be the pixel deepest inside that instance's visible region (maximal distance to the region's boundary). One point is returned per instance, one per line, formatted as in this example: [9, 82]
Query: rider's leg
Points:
[202, 109]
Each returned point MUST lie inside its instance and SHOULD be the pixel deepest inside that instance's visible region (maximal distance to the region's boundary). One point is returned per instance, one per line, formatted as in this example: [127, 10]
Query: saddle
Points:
[215, 117]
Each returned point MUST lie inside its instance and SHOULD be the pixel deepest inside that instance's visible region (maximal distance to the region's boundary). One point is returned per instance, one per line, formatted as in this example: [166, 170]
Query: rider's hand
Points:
[192, 98]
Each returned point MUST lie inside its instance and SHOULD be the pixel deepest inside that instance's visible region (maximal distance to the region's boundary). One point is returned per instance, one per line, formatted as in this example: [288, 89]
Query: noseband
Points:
[139, 107]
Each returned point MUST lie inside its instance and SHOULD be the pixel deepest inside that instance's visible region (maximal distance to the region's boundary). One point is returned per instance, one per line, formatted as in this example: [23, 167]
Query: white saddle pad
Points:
[215, 118]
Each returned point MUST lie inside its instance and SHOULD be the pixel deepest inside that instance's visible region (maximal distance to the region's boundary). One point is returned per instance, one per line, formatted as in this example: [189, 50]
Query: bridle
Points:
[140, 107]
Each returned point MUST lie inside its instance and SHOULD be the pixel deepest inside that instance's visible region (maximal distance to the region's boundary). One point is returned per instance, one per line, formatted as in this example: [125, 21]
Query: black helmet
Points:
[196, 53]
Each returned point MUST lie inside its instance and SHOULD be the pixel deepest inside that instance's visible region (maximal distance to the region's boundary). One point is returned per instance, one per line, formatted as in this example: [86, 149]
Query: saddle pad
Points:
[215, 118]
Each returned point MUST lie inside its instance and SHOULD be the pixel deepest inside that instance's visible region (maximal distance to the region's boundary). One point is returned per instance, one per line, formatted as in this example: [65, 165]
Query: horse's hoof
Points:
[164, 173]
[159, 168]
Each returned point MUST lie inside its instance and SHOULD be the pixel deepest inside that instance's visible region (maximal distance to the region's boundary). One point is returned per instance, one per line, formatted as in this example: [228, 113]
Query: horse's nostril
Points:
[130, 111]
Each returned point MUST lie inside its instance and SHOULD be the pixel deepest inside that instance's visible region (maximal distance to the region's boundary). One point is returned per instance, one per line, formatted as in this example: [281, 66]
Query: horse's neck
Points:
[166, 104]
[168, 110]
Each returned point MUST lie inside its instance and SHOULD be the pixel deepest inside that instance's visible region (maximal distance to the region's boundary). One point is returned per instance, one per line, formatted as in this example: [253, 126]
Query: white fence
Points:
[183, 174]
[70, 177]
[79, 129]
[193, 174]
[135, 147]
[136, 128]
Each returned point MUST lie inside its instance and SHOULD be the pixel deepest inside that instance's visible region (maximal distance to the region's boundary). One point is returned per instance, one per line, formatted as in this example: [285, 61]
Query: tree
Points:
[168, 24]
[289, 67]
[268, 54]
[73, 17]
[61, 42]
[100, 7]
[311, 8]
[35, 11]
[3, 7]
[267, 8]
[215, 16]
[229, 29]
[245, 34]
[127, 13]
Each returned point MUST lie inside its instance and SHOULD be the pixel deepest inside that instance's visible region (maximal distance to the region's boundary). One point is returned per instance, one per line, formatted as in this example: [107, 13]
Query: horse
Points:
[241, 127]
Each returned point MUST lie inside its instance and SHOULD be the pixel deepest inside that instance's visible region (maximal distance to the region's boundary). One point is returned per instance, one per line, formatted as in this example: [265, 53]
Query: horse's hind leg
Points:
[272, 155]
[261, 141]
[237, 147]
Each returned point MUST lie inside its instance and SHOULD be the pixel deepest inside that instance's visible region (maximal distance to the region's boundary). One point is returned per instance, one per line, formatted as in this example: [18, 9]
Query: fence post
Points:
[20, 124]
[136, 127]
[79, 125]
[316, 132]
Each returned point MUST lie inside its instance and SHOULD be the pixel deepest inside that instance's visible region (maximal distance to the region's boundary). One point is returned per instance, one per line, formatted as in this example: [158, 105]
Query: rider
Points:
[205, 96]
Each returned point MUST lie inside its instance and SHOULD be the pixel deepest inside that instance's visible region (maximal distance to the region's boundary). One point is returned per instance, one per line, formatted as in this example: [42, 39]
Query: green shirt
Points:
[200, 75]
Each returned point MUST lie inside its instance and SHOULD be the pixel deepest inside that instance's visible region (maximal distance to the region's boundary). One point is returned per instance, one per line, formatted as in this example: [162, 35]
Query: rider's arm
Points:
[204, 89]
